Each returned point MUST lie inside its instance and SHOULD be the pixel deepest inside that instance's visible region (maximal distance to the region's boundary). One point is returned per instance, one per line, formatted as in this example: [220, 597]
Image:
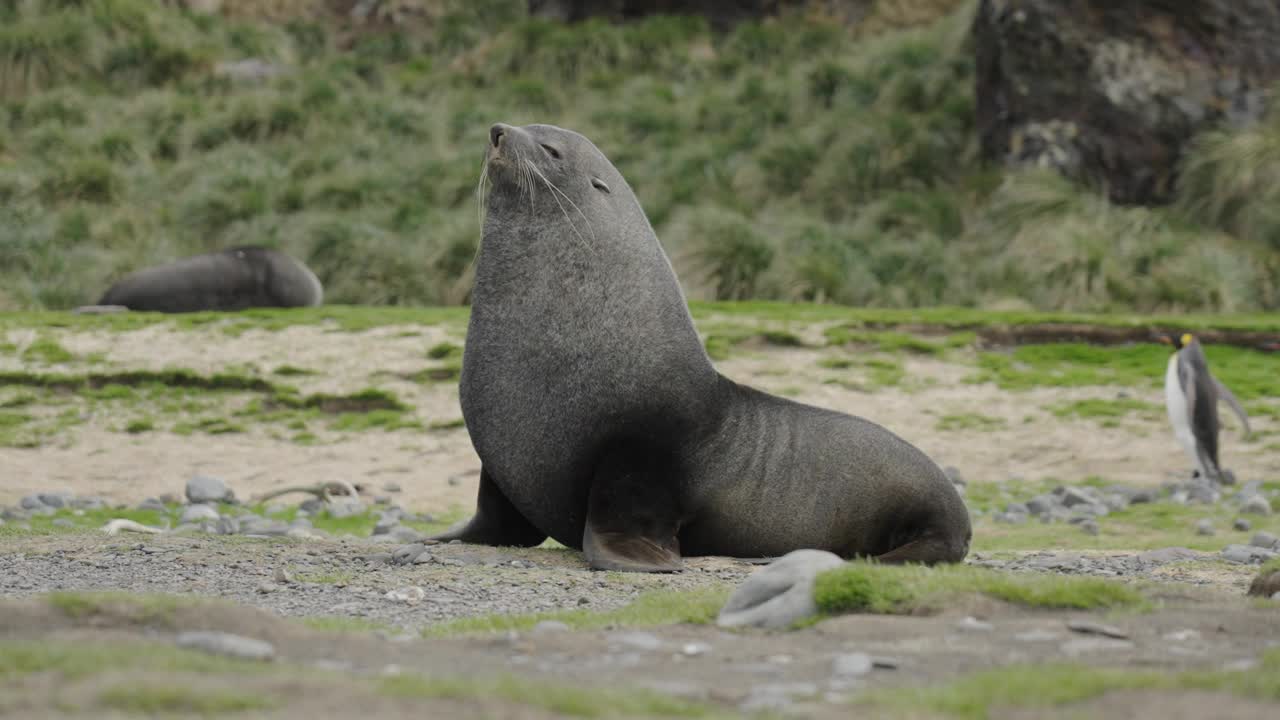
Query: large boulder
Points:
[1110, 92]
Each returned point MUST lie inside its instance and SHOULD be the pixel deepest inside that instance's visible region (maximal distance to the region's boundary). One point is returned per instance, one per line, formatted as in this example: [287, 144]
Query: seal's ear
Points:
[599, 184]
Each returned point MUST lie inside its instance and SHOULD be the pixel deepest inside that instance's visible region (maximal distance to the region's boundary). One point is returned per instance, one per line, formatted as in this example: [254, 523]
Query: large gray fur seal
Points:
[600, 421]
[234, 279]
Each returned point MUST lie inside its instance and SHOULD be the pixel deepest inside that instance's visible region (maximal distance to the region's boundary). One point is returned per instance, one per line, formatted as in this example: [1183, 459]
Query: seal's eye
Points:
[551, 151]
[598, 184]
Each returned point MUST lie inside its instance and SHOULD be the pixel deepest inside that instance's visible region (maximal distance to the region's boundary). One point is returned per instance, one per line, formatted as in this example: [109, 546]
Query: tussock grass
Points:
[868, 587]
[784, 159]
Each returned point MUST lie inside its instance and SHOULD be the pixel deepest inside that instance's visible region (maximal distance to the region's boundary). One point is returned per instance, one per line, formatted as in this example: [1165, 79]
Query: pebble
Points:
[1247, 554]
[780, 593]
[1265, 540]
[220, 643]
[695, 649]
[411, 595]
[851, 665]
[345, 508]
[204, 489]
[776, 696]
[267, 588]
[1242, 525]
[1204, 527]
[197, 513]
[1142, 496]
[1256, 505]
[31, 502]
[973, 624]
[1089, 627]
[407, 554]
[283, 576]
[57, 500]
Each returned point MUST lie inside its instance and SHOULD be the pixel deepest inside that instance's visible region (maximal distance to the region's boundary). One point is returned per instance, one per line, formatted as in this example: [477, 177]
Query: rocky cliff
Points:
[1110, 92]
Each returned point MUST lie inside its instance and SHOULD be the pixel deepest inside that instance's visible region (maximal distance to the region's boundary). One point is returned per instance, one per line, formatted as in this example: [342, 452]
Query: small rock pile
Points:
[1085, 506]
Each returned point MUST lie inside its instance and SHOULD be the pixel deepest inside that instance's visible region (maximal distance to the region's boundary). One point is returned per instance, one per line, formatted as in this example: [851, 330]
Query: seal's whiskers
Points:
[572, 225]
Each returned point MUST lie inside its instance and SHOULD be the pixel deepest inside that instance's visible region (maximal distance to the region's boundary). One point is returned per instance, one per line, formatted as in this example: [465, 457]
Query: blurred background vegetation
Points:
[792, 159]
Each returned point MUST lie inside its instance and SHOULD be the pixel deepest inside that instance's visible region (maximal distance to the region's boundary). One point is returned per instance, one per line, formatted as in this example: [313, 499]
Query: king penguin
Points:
[1191, 396]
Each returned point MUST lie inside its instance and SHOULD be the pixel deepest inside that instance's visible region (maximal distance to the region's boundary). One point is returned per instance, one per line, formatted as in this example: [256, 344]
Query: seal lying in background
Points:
[600, 421]
[233, 279]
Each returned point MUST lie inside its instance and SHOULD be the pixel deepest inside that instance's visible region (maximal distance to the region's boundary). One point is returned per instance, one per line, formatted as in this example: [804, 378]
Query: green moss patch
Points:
[977, 696]
[652, 608]
[969, 422]
[78, 660]
[155, 700]
[869, 587]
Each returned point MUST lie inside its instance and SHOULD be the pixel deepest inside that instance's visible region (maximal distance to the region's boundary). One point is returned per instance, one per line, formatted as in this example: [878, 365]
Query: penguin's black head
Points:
[1177, 340]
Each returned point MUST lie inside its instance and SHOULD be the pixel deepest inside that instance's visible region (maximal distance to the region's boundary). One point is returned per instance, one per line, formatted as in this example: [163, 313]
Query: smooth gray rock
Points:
[1142, 496]
[407, 554]
[1241, 525]
[345, 508]
[638, 640]
[258, 525]
[1247, 554]
[205, 489]
[226, 644]
[57, 500]
[31, 502]
[1090, 527]
[311, 505]
[1256, 505]
[547, 627]
[1078, 496]
[1041, 504]
[1204, 527]
[1265, 540]
[63, 523]
[776, 696]
[779, 594]
[1167, 555]
[198, 513]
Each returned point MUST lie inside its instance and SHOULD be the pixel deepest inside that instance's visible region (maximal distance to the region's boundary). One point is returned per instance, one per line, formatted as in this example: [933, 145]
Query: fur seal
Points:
[1191, 395]
[600, 421]
[234, 279]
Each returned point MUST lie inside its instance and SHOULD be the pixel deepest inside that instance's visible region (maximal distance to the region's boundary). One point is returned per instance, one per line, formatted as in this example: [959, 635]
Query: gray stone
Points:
[776, 696]
[391, 487]
[1017, 508]
[1041, 504]
[1256, 505]
[1204, 527]
[57, 500]
[88, 503]
[1168, 555]
[258, 525]
[694, 649]
[1199, 492]
[407, 554]
[302, 523]
[1090, 527]
[1265, 540]
[226, 525]
[205, 489]
[424, 558]
[851, 665]
[973, 624]
[406, 535]
[1247, 554]
[198, 513]
[226, 644]
[385, 524]
[345, 508]
[1078, 496]
[1089, 627]
[1116, 501]
[953, 474]
[1010, 518]
[63, 523]
[1142, 496]
[780, 593]
[31, 502]
[1242, 525]
[311, 505]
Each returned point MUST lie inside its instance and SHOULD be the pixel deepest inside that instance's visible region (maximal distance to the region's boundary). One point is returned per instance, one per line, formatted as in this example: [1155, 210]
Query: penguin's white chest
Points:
[1175, 401]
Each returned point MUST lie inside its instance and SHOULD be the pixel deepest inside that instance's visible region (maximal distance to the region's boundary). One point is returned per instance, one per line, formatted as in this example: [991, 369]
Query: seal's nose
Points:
[496, 132]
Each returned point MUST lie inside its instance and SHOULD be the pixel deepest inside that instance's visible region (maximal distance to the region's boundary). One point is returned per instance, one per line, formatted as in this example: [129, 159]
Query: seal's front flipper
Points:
[927, 550]
[496, 522]
[632, 516]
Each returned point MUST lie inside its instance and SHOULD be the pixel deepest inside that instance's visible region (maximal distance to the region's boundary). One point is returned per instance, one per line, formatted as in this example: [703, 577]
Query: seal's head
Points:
[533, 159]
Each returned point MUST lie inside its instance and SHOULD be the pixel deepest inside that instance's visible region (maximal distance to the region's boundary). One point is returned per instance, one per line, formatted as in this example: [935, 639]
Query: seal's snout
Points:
[496, 133]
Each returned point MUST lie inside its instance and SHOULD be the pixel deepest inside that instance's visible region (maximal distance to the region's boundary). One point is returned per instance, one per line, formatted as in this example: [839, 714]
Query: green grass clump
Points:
[132, 608]
[77, 660]
[47, 350]
[153, 700]
[342, 624]
[653, 608]
[978, 695]
[444, 350]
[1105, 410]
[561, 700]
[869, 587]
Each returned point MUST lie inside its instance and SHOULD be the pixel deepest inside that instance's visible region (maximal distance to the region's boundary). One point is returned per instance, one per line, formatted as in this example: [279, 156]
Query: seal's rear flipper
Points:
[928, 551]
[496, 522]
[632, 515]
